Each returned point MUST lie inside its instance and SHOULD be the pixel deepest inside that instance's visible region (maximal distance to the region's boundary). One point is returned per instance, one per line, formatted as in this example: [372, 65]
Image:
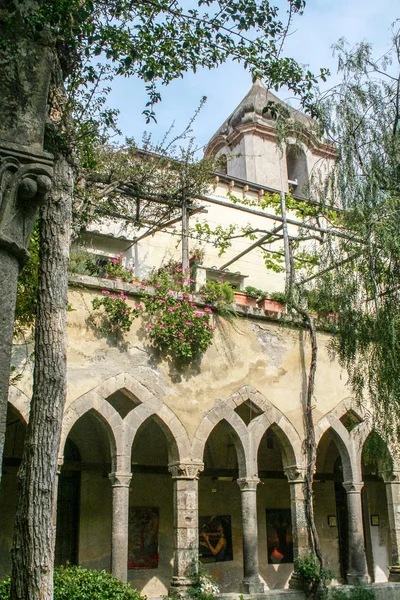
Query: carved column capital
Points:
[393, 477]
[353, 487]
[248, 483]
[25, 181]
[120, 479]
[295, 474]
[188, 470]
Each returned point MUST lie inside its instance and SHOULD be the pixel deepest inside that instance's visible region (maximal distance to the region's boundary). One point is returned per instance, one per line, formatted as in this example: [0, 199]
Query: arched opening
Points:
[84, 498]
[220, 520]
[297, 171]
[150, 522]
[274, 512]
[330, 506]
[222, 163]
[13, 449]
[376, 467]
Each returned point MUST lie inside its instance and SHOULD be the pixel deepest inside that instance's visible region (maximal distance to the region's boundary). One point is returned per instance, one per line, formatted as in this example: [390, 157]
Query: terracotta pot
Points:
[270, 305]
[244, 300]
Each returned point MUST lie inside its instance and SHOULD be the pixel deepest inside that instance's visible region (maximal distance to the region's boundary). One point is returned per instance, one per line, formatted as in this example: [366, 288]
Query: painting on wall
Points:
[143, 538]
[279, 535]
[215, 539]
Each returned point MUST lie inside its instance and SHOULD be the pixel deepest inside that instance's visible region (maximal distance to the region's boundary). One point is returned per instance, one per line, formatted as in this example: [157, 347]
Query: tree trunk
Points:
[33, 543]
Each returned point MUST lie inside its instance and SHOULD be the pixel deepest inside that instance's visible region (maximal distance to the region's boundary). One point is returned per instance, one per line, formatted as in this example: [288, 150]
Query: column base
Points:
[394, 574]
[357, 578]
[252, 587]
[181, 586]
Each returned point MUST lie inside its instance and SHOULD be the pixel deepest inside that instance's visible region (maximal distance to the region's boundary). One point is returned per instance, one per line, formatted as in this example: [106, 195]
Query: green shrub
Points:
[254, 292]
[358, 592]
[313, 578]
[217, 293]
[5, 588]
[74, 583]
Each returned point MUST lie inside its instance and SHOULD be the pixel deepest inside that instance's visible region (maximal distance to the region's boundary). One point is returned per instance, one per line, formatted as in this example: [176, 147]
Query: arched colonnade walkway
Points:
[120, 432]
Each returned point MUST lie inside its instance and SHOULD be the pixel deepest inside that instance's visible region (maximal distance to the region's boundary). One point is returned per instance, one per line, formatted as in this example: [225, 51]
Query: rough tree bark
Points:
[310, 447]
[33, 544]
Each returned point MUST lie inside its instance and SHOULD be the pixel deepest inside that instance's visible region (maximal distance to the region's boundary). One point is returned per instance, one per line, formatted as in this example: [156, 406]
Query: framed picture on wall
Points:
[215, 538]
[279, 535]
[143, 538]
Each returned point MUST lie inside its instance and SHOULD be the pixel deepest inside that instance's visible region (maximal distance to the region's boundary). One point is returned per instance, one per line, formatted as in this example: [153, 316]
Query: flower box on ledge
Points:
[244, 300]
[271, 306]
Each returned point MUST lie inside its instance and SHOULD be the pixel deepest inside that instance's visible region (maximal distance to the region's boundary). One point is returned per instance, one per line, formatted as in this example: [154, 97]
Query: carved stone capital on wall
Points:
[248, 483]
[393, 477]
[120, 479]
[295, 474]
[189, 470]
[25, 181]
[353, 487]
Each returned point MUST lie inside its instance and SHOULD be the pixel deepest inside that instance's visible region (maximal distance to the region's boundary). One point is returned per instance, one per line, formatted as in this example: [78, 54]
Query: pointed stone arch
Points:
[19, 401]
[100, 413]
[271, 416]
[223, 412]
[95, 402]
[345, 444]
[146, 404]
[178, 440]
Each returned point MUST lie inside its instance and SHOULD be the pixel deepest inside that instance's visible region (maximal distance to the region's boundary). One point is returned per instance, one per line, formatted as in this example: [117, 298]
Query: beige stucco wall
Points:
[249, 352]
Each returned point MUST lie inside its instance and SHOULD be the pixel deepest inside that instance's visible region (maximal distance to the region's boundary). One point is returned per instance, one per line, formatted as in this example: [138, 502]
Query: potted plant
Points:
[115, 270]
[272, 303]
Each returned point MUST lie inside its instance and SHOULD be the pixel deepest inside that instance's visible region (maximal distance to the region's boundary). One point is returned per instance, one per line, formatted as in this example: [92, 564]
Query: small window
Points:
[235, 280]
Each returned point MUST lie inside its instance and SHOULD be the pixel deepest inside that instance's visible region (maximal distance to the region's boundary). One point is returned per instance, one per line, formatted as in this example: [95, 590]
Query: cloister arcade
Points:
[122, 448]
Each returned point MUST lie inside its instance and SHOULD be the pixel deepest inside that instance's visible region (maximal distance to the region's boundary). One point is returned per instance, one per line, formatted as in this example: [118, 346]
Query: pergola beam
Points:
[253, 246]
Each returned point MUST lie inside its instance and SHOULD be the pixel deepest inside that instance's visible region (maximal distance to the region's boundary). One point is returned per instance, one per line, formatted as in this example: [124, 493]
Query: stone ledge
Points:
[136, 289]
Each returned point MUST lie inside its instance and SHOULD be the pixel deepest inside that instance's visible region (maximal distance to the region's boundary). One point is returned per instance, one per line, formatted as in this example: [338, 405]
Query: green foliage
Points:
[114, 267]
[83, 263]
[204, 587]
[74, 583]
[357, 592]
[313, 577]
[278, 296]
[112, 313]
[217, 293]
[376, 456]
[176, 326]
[254, 292]
[5, 586]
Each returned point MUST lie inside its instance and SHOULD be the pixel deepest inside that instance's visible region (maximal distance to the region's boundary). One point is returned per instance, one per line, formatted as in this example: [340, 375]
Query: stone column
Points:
[300, 532]
[393, 506]
[357, 559]
[251, 580]
[186, 524]
[25, 170]
[119, 533]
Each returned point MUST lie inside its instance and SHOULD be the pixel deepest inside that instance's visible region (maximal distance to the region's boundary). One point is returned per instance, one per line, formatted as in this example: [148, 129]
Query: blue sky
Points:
[322, 24]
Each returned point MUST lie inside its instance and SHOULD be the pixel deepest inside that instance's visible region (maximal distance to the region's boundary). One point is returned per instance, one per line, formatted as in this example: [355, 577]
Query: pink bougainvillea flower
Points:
[188, 323]
[170, 309]
[162, 327]
[138, 306]
[207, 309]
[105, 292]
